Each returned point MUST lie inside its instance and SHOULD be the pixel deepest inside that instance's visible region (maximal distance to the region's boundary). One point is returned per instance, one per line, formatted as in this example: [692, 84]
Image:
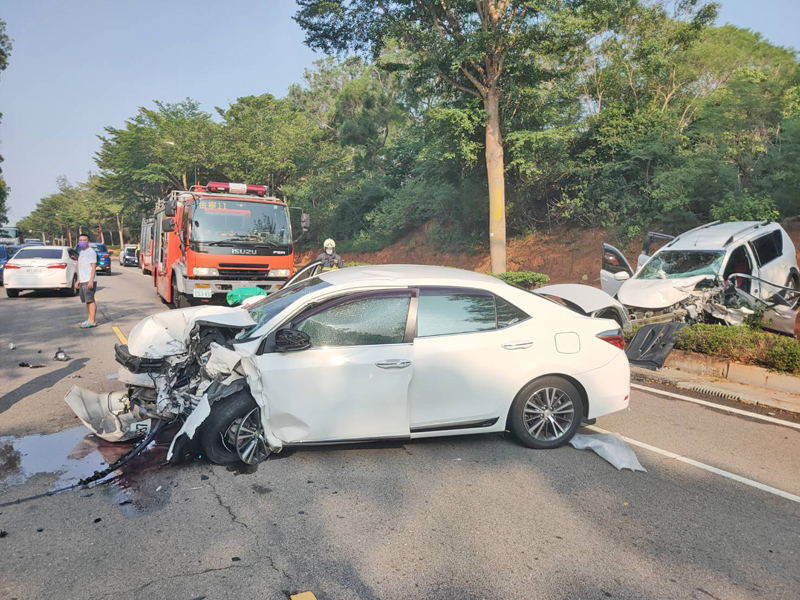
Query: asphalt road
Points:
[471, 517]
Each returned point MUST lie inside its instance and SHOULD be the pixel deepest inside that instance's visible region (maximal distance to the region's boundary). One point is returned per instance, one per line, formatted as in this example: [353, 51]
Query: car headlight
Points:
[279, 272]
[205, 272]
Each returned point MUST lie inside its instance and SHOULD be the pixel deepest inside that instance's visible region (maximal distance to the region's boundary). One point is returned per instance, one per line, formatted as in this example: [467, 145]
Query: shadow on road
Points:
[44, 381]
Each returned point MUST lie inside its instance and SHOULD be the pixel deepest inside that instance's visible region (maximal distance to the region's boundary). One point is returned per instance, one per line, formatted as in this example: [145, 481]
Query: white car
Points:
[715, 269]
[42, 268]
[365, 353]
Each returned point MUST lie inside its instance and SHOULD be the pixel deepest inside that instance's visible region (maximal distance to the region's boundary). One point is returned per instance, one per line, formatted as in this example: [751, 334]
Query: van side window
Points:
[768, 247]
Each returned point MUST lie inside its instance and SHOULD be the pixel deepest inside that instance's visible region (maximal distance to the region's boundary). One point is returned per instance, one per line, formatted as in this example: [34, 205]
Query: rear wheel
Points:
[12, 293]
[546, 413]
[232, 432]
[72, 290]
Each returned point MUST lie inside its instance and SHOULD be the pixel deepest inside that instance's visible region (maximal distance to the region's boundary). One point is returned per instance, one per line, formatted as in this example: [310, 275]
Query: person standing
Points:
[87, 280]
[329, 258]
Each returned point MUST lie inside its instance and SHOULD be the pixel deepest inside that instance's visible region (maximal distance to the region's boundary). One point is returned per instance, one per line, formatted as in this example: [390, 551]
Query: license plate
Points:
[201, 293]
[33, 271]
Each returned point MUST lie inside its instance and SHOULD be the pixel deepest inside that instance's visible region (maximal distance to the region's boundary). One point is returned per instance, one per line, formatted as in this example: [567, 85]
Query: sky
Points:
[78, 66]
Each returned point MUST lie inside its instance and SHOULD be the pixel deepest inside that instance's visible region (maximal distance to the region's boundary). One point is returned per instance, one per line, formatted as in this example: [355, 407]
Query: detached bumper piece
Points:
[137, 364]
[652, 344]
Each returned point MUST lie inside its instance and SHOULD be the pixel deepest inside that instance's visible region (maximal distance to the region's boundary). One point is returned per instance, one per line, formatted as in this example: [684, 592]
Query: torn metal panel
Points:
[106, 414]
[257, 390]
[221, 360]
[654, 294]
[652, 344]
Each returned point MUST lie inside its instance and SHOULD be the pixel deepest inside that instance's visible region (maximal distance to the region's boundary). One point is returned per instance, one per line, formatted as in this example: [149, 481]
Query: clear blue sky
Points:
[80, 65]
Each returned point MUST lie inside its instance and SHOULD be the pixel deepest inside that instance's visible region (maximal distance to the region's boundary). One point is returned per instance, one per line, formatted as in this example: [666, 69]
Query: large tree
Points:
[476, 47]
[5, 51]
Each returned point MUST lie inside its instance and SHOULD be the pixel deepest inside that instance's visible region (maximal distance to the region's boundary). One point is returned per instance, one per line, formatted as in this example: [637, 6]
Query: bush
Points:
[743, 345]
[524, 279]
[355, 263]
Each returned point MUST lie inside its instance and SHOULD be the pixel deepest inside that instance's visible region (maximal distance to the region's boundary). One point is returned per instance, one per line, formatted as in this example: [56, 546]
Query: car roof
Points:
[715, 237]
[410, 274]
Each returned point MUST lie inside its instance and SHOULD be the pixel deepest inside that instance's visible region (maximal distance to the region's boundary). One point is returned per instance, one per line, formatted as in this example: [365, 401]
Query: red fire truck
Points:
[212, 239]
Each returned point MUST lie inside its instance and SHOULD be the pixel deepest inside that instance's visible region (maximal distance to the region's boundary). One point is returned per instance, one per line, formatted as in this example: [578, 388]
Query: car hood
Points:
[165, 333]
[657, 293]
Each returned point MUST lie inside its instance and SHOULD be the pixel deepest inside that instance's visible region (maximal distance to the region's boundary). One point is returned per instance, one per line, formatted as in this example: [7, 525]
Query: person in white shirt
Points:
[87, 279]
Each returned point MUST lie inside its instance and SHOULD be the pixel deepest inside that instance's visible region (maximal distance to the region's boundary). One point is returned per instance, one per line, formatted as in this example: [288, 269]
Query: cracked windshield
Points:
[676, 264]
[219, 221]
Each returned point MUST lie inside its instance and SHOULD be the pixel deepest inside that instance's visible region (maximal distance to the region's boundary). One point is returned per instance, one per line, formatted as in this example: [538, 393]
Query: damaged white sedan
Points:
[365, 353]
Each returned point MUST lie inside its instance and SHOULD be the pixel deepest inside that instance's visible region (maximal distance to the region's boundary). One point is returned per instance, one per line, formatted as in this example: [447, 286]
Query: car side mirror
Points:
[622, 276]
[171, 208]
[168, 225]
[305, 222]
[291, 340]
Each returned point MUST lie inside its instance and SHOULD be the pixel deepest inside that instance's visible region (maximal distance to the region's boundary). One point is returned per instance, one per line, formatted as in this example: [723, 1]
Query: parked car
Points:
[364, 353]
[3, 259]
[128, 256]
[32, 242]
[699, 274]
[41, 268]
[103, 258]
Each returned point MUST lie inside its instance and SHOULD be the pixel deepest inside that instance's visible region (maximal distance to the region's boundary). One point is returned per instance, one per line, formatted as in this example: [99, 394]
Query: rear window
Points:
[39, 253]
[768, 247]
[100, 247]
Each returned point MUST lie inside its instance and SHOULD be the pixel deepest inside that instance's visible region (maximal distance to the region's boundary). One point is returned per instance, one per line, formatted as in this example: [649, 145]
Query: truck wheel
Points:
[178, 299]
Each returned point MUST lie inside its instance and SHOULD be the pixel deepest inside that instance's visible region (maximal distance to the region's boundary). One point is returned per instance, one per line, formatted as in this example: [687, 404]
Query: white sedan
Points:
[42, 268]
[364, 353]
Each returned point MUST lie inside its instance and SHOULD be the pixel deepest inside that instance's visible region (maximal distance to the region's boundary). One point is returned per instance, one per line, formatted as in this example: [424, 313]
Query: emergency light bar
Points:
[236, 188]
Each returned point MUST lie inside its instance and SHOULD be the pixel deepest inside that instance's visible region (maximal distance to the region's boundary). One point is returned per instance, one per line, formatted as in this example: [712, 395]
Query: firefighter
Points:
[329, 258]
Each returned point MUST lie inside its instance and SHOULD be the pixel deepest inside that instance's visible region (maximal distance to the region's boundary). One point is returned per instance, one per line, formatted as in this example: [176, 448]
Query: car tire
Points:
[532, 401]
[223, 413]
[12, 293]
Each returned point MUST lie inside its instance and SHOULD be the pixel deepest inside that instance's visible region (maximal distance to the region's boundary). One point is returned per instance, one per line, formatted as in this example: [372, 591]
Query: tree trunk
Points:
[100, 237]
[495, 170]
[69, 235]
[119, 228]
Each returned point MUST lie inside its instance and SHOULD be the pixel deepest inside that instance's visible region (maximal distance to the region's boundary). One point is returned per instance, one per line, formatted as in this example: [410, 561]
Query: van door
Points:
[614, 270]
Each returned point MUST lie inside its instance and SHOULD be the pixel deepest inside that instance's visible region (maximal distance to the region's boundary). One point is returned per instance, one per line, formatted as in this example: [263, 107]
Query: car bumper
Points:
[104, 267]
[608, 388]
[198, 288]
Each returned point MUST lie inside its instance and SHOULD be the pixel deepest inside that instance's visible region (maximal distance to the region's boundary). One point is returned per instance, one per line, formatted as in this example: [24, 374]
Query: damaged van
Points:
[718, 272]
[365, 353]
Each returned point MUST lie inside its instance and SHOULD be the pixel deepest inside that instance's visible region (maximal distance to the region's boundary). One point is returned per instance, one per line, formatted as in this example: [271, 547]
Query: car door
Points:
[614, 271]
[310, 270]
[768, 252]
[460, 341]
[352, 383]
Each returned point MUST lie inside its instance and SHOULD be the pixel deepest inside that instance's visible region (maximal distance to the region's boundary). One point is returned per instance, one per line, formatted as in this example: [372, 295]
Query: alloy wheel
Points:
[251, 441]
[548, 413]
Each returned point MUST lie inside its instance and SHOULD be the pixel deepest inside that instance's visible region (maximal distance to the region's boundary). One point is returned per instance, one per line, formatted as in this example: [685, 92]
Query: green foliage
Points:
[5, 51]
[742, 344]
[525, 279]
[745, 207]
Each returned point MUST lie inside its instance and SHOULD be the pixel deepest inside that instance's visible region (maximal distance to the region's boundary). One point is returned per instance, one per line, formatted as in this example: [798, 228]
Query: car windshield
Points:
[238, 221]
[11, 232]
[677, 264]
[130, 251]
[100, 247]
[264, 310]
[39, 253]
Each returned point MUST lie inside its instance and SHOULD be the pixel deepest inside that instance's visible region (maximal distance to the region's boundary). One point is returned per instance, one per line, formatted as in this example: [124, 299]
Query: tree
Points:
[473, 47]
[5, 51]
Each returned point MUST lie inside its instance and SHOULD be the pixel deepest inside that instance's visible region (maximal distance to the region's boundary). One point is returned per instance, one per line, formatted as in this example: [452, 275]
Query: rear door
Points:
[352, 383]
[768, 252]
[614, 262]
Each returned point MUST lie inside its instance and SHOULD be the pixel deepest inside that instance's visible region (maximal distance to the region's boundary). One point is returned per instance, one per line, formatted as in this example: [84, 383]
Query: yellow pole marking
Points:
[303, 596]
[120, 336]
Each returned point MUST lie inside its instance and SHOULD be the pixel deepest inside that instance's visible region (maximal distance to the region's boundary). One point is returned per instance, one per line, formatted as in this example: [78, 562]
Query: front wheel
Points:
[231, 421]
[546, 413]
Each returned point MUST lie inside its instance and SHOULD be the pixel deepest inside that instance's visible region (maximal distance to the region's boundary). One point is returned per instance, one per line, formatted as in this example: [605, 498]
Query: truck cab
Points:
[213, 239]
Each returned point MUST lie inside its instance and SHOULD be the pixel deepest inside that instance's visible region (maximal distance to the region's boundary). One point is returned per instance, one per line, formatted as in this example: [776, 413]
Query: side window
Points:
[445, 312]
[363, 321]
[508, 314]
[768, 247]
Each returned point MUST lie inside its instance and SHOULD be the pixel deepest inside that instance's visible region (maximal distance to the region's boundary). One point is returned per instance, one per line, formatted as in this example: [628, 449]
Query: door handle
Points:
[393, 363]
[517, 345]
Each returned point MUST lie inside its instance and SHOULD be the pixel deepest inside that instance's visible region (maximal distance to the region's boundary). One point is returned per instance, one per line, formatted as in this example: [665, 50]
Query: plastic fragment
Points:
[609, 446]
[12, 346]
[61, 356]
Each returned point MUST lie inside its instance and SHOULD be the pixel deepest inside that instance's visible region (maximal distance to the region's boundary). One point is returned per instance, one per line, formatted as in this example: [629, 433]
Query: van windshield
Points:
[677, 264]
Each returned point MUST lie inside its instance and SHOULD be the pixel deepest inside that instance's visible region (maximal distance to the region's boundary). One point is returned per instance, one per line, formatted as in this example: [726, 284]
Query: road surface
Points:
[716, 515]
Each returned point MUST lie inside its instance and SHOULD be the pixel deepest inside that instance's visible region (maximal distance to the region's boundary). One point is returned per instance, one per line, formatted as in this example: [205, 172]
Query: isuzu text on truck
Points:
[213, 239]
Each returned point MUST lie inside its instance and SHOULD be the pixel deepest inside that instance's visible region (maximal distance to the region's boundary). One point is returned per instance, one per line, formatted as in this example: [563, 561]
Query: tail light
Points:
[613, 337]
[10, 266]
[57, 266]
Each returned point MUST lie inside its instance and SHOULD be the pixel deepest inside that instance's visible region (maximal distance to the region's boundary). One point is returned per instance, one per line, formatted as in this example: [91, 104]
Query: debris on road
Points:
[29, 365]
[609, 446]
[61, 356]
[12, 346]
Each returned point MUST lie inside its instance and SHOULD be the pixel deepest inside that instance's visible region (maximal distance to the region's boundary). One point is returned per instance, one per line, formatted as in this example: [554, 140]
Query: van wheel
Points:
[546, 413]
[232, 419]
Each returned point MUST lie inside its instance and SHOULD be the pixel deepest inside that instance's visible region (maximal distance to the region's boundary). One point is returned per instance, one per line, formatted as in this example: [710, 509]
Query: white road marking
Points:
[705, 467]
[737, 411]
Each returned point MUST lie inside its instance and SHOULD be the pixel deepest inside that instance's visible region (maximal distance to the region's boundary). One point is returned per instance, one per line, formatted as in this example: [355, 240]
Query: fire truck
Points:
[215, 238]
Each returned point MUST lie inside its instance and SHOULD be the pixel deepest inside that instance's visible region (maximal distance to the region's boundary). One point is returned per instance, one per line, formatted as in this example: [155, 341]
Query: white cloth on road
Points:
[611, 447]
[86, 259]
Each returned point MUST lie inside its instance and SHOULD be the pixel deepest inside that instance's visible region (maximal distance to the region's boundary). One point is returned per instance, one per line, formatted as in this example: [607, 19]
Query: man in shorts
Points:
[87, 279]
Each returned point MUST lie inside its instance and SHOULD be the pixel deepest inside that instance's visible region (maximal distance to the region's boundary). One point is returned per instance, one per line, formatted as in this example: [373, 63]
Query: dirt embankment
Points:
[567, 255]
